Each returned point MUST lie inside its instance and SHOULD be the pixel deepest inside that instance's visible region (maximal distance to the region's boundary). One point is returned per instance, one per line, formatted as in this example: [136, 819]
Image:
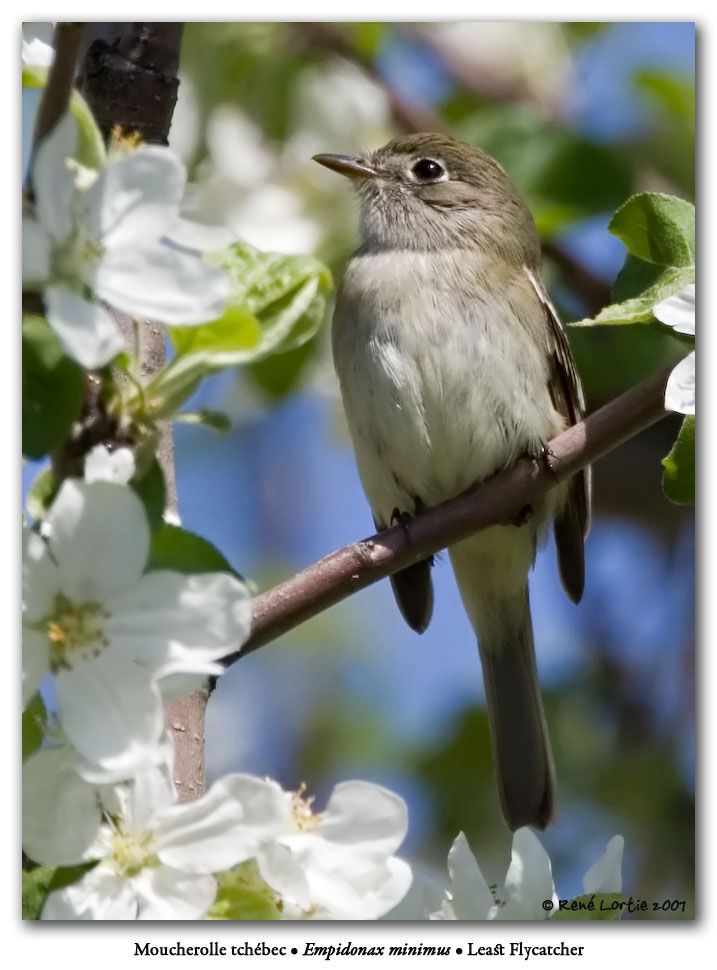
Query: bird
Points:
[452, 364]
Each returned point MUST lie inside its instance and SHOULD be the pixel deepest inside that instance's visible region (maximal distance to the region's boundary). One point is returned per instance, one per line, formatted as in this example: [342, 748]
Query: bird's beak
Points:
[353, 168]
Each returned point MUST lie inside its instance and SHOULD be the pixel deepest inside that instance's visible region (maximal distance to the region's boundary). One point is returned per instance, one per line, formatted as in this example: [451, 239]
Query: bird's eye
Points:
[428, 170]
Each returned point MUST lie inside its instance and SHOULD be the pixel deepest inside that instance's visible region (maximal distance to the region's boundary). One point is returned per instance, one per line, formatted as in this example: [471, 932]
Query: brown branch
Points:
[499, 500]
[129, 77]
[67, 42]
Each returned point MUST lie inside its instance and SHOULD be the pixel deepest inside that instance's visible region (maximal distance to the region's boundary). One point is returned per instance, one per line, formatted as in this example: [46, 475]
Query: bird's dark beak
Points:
[353, 168]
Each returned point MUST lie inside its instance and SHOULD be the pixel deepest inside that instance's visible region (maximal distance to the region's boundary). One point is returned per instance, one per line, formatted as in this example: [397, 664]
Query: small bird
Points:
[453, 364]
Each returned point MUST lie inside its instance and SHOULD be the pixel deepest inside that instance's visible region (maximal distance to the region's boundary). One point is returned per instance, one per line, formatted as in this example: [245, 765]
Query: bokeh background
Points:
[581, 115]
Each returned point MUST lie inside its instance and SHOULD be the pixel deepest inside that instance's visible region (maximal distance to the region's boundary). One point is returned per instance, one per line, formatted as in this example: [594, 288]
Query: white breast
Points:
[441, 388]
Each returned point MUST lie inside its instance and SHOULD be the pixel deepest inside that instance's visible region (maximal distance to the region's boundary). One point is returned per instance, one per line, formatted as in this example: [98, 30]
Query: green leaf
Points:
[244, 895]
[41, 494]
[678, 478]
[280, 374]
[90, 149]
[635, 276]
[676, 93]
[286, 294]
[594, 906]
[172, 547]
[35, 885]
[66, 875]
[52, 389]
[639, 308]
[236, 334]
[33, 722]
[278, 303]
[151, 488]
[658, 228]
[215, 420]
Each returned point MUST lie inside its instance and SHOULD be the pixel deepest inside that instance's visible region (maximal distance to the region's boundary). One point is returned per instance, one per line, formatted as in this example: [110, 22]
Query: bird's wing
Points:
[573, 521]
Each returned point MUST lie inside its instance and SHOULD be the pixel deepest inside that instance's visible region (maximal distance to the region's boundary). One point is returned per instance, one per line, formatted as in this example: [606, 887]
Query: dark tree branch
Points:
[124, 60]
[67, 42]
[129, 77]
[499, 500]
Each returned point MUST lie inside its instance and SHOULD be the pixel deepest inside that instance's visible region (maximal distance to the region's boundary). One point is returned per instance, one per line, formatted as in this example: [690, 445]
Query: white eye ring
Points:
[428, 170]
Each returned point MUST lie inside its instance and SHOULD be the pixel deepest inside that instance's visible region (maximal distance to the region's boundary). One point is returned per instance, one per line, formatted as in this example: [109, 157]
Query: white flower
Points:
[110, 633]
[102, 465]
[528, 883]
[606, 875]
[339, 864]
[678, 312]
[61, 809]
[470, 897]
[37, 50]
[528, 892]
[156, 858]
[60, 816]
[105, 240]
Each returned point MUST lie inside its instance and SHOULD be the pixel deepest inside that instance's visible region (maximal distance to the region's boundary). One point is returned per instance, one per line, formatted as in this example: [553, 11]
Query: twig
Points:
[498, 500]
[67, 41]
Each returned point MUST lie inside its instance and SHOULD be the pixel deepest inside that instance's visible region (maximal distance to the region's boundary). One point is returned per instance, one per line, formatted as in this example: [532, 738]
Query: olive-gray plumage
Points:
[452, 364]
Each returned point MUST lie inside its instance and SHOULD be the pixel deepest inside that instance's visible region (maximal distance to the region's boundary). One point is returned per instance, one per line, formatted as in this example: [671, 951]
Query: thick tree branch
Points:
[502, 499]
[124, 60]
[129, 77]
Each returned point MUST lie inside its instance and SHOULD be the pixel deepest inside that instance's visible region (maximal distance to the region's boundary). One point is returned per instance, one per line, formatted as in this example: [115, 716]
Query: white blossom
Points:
[37, 50]
[102, 465]
[111, 633]
[606, 875]
[101, 236]
[678, 312]
[340, 863]
[528, 891]
[156, 858]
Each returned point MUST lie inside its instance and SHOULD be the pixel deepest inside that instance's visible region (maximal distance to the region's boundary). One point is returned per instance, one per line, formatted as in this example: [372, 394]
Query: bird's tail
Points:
[500, 615]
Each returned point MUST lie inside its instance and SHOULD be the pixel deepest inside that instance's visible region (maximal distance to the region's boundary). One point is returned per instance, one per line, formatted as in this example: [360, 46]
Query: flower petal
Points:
[166, 893]
[223, 827]
[135, 199]
[279, 868]
[60, 814]
[40, 578]
[680, 389]
[102, 465]
[472, 899]
[529, 881]
[35, 253]
[99, 895]
[364, 816]
[678, 311]
[606, 875]
[99, 538]
[160, 283]
[111, 712]
[35, 662]
[53, 181]
[175, 619]
[87, 333]
[174, 682]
